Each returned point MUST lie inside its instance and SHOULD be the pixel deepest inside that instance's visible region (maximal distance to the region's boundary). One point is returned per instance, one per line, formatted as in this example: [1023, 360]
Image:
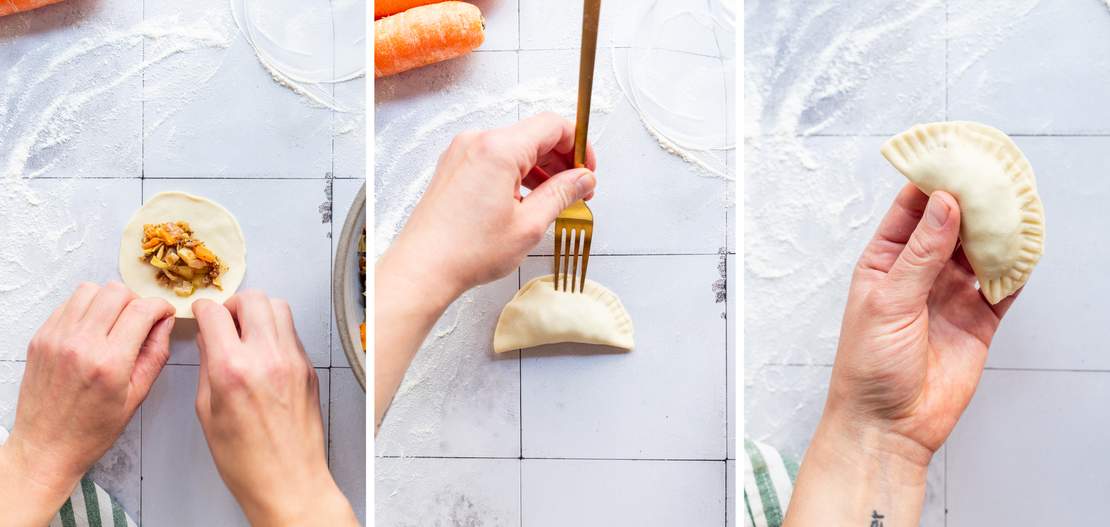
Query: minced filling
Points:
[184, 264]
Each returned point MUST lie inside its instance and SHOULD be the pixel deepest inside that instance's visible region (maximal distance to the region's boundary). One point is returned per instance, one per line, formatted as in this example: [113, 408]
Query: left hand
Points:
[89, 367]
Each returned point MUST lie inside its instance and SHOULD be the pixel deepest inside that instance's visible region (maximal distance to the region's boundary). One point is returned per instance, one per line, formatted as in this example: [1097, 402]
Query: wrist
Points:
[427, 282]
[871, 448]
[323, 505]
[852, 471]
[35, 494]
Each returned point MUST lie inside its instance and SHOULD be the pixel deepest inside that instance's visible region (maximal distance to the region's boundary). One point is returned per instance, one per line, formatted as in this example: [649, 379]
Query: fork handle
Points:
[591, 13]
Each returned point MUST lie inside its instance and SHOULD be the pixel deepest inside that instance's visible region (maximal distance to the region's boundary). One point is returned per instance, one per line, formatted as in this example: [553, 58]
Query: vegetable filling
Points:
[183, 262]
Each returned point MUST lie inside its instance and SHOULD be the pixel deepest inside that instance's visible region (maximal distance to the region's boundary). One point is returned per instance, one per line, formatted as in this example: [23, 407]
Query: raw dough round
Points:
[211, 223]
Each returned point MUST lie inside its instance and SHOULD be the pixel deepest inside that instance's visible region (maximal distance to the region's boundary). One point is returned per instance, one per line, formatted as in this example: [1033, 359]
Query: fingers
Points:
[546, 133]
[152, 356]
[133, 328]
[283, 317]
[895, 229]
[216, 330]
[106, 307]
[255, 315]
[927, 250]
[78, 304]
[204, 390]
[549, 199]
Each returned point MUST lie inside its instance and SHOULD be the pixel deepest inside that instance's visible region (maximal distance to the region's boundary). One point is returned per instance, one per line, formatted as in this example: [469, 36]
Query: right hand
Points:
[472, 226]
[258, 402]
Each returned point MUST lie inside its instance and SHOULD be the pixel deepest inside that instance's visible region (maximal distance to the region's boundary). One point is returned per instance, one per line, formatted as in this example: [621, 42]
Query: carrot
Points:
[8, 7]
[392, 7]
[425, 35]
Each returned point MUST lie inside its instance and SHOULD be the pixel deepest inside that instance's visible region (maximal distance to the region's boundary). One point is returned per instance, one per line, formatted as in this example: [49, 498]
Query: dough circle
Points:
[211, 223]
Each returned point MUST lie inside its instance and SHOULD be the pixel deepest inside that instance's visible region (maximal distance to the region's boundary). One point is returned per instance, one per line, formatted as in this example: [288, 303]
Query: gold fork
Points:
[574, 226]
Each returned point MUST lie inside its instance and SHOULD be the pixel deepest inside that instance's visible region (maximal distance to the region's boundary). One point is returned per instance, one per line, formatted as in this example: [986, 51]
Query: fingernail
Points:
[585, 183]
[936, 212]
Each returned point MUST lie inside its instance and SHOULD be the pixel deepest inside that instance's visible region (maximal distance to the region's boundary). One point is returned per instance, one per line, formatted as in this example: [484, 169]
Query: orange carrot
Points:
[8, 7]
[392, 7]
[425, 35]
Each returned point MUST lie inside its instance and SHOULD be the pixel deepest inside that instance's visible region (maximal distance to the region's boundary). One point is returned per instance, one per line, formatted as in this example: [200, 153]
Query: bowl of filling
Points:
[349, 287]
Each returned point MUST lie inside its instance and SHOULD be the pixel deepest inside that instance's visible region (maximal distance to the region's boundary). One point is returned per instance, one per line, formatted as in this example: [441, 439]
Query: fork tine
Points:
[576, 239]
[585, 255]
[568, 278]
[564, 259]
[558, 244]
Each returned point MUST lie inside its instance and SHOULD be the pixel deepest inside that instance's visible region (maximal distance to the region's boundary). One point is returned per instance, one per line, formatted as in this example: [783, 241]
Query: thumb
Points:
[557, 193]
[927, 251]
[153, 355]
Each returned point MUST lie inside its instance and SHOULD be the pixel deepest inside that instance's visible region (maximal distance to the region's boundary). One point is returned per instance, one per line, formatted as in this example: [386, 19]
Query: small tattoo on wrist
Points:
[876, 519]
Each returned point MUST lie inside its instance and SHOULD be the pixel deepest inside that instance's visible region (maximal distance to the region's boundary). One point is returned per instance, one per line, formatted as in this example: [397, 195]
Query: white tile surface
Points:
[347, 443]
[287, 252]
[1055, 323]
[239, 122]
[1031, 450]
[180, 484]
[502, 20]
[1010, 67]
[350, 131]
[611, 492]
[664, 399]
[458, 398]
[447, 492]
[81, 116]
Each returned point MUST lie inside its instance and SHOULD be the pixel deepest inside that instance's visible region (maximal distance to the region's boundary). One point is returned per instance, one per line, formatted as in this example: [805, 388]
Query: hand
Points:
[89, 367]
[471, 227]
[912, 349]
[258, 402]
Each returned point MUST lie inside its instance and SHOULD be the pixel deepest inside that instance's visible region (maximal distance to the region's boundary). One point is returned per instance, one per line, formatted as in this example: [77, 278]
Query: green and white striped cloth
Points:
[88, 506]
[768, 483]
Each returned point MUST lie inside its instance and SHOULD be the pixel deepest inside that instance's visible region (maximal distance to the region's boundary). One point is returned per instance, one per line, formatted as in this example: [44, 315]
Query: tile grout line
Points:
[329, 188]
[142, 192]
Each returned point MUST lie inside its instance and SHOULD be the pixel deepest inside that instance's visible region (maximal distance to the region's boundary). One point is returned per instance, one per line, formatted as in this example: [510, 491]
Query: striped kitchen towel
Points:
[88, 506]
[768, 482]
